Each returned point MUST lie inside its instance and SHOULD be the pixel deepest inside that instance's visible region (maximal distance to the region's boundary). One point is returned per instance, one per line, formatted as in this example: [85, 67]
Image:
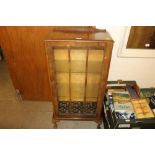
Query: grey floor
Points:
[15, 114]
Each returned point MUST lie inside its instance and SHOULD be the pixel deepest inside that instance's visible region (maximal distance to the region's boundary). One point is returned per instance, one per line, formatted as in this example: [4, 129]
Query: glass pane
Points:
[95, 64]
[61, 60]
[93, 81]
[63, 86]
[78, 68]
[95, 58]
[77, 86]
[78, 60]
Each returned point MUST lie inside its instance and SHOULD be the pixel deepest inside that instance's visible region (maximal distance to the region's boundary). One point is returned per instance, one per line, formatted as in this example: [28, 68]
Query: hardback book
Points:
[147, 92]
[125, 115]
[121, 97]
[113, 90]
[124, 111]
[122, 106]
[132, 91]
[114, 86]
[142, 108]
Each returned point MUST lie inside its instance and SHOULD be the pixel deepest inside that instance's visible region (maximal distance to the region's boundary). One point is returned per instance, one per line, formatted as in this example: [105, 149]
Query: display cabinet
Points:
[78, 61]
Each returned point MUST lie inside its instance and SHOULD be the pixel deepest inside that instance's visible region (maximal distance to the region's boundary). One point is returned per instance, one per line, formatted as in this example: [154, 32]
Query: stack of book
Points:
[125, 101]
[128, 106]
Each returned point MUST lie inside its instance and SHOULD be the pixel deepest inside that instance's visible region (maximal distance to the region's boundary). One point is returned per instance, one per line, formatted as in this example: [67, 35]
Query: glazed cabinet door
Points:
[76, 74]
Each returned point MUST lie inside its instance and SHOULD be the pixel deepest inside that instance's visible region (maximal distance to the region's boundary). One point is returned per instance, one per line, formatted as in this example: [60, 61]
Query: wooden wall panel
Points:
[24, 51]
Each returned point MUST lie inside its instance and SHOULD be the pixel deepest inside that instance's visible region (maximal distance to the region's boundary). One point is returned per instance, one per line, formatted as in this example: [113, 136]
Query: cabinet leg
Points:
[55, 126]
[99, 124]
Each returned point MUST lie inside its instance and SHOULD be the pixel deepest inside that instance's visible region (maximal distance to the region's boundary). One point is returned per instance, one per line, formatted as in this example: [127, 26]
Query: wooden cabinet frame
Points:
[105, 46]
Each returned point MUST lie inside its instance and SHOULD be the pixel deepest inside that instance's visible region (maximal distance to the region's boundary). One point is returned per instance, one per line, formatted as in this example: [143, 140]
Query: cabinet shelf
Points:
[78, 66]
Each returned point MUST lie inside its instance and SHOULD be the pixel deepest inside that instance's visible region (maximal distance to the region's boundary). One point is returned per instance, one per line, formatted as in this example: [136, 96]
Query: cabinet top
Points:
[83, 33]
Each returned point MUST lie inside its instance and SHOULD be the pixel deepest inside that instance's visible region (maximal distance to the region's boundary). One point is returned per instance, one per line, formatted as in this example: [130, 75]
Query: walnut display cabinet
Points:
[78, 61]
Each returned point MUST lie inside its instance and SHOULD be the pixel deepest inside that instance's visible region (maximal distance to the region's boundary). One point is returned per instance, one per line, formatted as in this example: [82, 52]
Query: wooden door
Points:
[78, 73]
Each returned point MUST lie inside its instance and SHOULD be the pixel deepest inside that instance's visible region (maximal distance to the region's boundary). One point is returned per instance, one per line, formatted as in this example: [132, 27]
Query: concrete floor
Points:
[15, 114]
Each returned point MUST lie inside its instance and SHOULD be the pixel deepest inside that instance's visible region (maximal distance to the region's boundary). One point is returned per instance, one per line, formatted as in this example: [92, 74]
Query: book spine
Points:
[132, 92]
